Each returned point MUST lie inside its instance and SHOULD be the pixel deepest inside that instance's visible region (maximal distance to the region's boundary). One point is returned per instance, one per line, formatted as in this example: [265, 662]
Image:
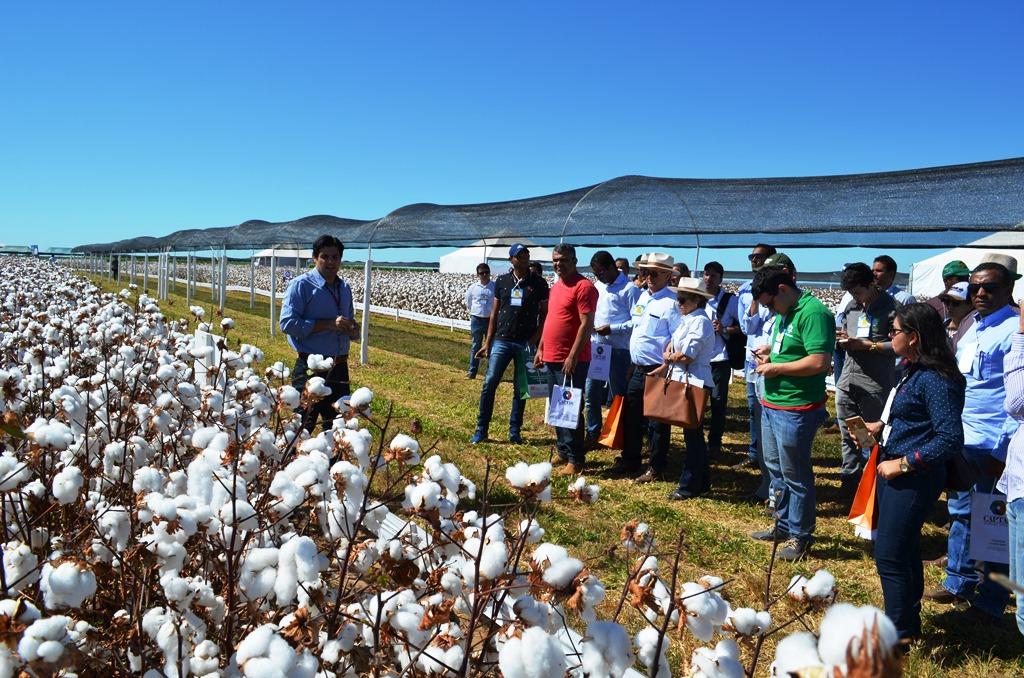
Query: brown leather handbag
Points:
[674, 402]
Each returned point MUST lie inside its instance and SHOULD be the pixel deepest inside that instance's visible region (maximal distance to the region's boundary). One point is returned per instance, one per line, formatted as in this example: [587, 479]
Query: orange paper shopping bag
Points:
[612, 431]
[864, 512]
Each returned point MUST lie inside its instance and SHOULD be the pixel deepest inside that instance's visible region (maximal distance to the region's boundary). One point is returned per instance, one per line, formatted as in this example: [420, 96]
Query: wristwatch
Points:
[904, 466]
[874, 346]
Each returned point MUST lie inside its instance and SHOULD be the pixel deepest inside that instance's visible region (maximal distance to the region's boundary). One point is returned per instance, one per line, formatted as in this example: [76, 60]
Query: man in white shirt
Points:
[613, 324]
[479, 300]
[655, 317]
[722, 310]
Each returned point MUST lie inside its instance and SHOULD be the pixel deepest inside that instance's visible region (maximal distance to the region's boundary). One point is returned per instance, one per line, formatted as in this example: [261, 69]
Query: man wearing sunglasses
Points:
[956, 304]
[987, 429]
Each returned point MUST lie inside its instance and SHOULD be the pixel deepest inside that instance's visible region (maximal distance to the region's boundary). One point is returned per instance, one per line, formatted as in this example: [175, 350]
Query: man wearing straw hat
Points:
[655, 318]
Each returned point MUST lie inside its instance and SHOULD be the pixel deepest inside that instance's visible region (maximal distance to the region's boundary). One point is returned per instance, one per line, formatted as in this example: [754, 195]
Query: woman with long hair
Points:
[920, 431]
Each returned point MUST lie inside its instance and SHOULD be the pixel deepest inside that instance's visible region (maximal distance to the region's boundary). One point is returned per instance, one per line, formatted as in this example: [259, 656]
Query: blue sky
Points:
[123, 119]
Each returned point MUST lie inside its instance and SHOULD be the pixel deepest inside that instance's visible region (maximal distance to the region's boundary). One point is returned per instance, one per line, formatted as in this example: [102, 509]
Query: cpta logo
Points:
[600, 350]
[998, 508]
[566, 395]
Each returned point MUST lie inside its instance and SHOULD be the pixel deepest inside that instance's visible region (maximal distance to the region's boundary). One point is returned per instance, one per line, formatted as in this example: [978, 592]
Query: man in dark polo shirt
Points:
[520, 304]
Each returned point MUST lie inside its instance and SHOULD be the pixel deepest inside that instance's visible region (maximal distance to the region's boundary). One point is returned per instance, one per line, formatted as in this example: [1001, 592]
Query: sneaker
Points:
[775, 534]
[648, 476]
[515, 438]
[794, 549]
[478, 438]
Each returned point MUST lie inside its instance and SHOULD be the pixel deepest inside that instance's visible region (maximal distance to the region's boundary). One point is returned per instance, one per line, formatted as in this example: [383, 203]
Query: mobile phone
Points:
[859, 430]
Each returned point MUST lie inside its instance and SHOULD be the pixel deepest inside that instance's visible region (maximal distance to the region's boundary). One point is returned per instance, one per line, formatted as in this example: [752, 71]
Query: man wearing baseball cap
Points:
[520, 304]
[952, 273]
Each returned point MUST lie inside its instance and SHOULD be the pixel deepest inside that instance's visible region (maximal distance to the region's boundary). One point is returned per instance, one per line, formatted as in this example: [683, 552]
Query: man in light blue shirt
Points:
[655, 318]
[318, 317]
[613, 323]
[754, 323]
[479, 300]
[722, 310]
[884, 270]
[980, 353]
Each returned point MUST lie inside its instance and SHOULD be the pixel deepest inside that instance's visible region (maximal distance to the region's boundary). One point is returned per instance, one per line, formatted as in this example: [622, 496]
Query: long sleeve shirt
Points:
[727, 316]
[308, 299]
[615, 304]
[480, 299]
[980, 354]
[655, 318]
[925, 420]
[899, 295]
[756, 327]
[695, 338]
[1012, 481]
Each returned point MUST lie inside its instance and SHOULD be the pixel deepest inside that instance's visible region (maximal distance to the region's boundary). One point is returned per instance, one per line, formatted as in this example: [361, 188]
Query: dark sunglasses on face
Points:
[948, 301]
[989, 287]
[755, 255]
[899, 330]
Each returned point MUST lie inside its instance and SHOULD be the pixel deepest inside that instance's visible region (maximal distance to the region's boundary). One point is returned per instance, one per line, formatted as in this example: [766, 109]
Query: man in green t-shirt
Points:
[793, 365]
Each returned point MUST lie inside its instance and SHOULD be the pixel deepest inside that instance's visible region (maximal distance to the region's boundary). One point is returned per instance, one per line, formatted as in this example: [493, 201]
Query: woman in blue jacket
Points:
[921, 430]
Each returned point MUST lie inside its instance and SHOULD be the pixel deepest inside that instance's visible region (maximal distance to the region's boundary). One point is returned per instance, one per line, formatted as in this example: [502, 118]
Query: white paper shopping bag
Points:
[990, 528]
[564, 406]
[600, 361]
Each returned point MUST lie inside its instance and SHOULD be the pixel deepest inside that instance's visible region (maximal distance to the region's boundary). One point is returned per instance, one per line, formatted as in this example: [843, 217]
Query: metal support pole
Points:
[172, 272]
[188, 279]
[223, 292]
[364, 333]
[145, 272]
[252, 280]
[273, 292]
[131, 276]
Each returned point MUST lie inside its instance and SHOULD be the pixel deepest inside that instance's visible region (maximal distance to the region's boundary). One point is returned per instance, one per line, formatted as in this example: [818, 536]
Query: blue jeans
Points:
[1015, 512]
[635, 425]
[903, 505]
[754, 408]
[477, 332]
[502, 353]
[569, 441]
[721, 373]
[598, 391]
[696, 475]
[786, 439]
[961, 577]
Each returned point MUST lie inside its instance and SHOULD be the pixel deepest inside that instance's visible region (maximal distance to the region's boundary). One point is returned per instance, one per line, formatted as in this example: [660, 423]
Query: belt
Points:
[645, 368]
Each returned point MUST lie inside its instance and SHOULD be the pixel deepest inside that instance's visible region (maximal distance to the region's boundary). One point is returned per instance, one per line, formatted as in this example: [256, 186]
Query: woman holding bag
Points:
[920, 432]
[689, 354]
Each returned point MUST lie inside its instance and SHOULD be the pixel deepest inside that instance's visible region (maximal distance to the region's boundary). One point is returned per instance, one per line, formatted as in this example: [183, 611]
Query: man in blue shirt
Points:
[613, 323]
[722, 310]
[980, 353]
[479, 300]
[318, 317]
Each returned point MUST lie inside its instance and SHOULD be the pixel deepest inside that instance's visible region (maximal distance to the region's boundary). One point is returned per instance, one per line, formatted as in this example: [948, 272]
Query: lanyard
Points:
[335, 295]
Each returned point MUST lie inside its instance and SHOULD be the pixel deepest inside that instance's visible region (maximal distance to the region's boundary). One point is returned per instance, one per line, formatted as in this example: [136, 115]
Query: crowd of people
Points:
[925, 380]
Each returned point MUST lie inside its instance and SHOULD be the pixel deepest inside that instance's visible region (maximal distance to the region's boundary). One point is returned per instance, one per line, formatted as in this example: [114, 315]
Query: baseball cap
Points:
[956, 268]
[516, 249]
[778, 259]
[957, 291]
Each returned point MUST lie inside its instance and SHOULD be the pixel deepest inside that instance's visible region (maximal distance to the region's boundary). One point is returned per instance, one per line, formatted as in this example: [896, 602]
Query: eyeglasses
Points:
[898, 330]
[989, 287]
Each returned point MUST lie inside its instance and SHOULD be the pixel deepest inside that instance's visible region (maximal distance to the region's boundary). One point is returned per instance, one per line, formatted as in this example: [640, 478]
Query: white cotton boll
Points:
[821, 587]
[203, 436]
[582, 492]
[264, 654]
[535, 655]
[561, 573]
[289, 396]
[166, 372]
[540, 473]
[549, 552]
[316, 388]
[147, 479]
[646, 643]
[423, 496]
[53, 434]
[532, 612]
[45, 639]
[607, 650]
[518, 475]
[317, 363]
[197, 311]
[67, 585]
[493, 560]
[843, 626]
[227, 324]
[797, 589]
[29, 612]
[720, 662]
[13, 472]
[746, 621]
[205, 658]
[361, 398]
[795, 652]
[66, 484]
[19, 565]
[405, 449]
[201, 352]
[534, 532]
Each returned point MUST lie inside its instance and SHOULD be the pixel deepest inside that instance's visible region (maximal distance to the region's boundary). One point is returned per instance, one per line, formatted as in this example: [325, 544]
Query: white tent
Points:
[494, 252]
[284, 256]
[926, 275]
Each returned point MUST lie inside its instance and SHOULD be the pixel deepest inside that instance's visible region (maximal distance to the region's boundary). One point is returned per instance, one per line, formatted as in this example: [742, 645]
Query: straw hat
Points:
[692, 286]
[658, 260]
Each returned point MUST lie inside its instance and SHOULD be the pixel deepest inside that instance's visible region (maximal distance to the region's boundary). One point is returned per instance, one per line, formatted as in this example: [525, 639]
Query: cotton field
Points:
[165, 515]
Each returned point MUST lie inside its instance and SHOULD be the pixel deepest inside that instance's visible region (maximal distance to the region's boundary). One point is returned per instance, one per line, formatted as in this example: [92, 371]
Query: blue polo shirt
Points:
[308, 299]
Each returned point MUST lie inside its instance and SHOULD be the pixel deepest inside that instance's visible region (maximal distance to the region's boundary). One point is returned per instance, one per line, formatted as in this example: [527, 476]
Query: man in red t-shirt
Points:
[565, 345]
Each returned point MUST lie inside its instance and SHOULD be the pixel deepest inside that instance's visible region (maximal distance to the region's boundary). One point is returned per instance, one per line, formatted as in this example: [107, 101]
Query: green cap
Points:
[778, 259]
[956, 268]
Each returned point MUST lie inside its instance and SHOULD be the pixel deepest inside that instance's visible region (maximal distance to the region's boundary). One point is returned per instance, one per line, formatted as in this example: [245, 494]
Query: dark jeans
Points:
[635, 424]
[570, 440]
[721, 372]
[502, 353]
[696, 476]
[903, 505]
[477, 332]
[336, 379]
[599, 393]
[856, 402]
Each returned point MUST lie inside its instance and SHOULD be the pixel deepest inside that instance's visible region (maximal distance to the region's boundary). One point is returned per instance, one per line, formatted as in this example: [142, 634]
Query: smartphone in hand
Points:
[860, 432]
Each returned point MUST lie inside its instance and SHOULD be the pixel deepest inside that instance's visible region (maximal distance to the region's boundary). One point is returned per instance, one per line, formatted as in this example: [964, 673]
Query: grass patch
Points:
[421, 368]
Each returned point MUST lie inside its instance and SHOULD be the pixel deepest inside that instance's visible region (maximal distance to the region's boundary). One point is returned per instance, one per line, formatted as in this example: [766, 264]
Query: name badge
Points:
[864, 327]
[965, 357]
[777, 346]
[517, 297]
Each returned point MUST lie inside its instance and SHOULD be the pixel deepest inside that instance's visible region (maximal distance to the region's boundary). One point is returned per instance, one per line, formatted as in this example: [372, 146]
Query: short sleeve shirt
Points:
[809, 328]
[568, 300]
[519, 305]
[873, 371]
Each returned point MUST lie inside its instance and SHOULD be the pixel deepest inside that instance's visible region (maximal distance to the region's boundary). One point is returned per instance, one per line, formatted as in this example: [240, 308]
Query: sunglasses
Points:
[755, 255]
[989, 287]
[949, 301]
[897, 330]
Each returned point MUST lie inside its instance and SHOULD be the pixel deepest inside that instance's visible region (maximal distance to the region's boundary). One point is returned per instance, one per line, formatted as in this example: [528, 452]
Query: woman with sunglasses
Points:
[920, 430]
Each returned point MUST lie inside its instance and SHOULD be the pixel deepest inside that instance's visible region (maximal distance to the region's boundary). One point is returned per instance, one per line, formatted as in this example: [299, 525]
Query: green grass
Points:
[422, 369]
